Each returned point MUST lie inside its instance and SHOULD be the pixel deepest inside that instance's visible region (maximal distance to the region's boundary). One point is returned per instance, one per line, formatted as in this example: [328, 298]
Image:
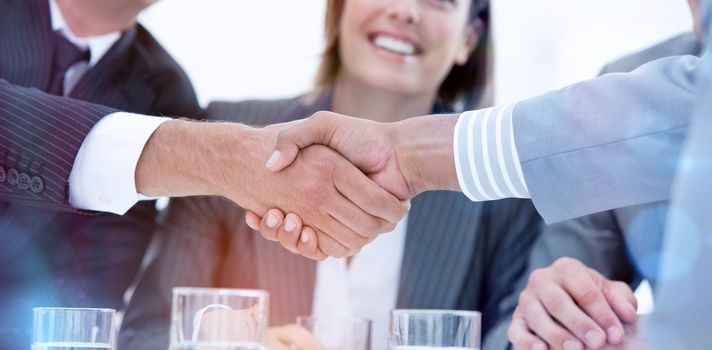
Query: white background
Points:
[237, 49]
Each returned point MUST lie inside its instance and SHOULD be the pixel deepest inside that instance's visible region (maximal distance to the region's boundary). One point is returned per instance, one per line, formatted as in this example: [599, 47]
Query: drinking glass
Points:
[334, 333]
[72, 328]
[224, 319]
[434, 329]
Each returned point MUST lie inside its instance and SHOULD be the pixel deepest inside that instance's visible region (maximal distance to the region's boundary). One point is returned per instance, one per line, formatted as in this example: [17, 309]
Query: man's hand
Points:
[332, 196]
[291, 337]
[569, 306]
[405, 158]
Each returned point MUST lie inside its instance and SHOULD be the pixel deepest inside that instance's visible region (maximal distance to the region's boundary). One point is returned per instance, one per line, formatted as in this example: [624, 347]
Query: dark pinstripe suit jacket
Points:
[40, 135]
[50, 257]
[458, 254]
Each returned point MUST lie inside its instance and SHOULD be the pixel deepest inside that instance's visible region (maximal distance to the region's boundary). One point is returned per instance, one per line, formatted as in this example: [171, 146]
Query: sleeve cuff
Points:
[486, 158]
[103, 176]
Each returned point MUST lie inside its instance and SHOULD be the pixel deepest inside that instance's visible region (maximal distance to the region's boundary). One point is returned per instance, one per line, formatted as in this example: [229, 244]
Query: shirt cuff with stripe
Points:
[486, 157]
[103, 175]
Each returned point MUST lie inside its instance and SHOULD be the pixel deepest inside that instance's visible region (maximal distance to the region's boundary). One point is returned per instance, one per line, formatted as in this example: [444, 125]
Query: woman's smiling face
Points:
[404, 46]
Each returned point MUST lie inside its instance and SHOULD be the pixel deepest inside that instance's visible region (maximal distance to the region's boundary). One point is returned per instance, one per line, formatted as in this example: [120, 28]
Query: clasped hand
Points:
[383, 154]
[343, 208]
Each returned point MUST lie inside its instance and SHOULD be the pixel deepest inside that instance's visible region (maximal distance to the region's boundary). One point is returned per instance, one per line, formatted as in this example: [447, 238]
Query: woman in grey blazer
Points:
[382, 59]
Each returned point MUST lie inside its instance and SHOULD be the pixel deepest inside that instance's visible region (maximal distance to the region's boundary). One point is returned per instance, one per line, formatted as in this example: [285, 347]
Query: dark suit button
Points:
[23, 182]
[12, 176]
[37, 185]
[3, 175]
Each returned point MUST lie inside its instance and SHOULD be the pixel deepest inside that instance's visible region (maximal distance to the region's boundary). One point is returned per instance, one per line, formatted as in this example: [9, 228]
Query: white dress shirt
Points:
[486, 157]
[102, 177]
[367, 288]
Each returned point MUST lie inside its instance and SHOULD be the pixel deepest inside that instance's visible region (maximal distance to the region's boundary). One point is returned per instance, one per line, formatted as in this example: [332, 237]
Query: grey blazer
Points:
[623, 244]
[458, 254]
[609, 142]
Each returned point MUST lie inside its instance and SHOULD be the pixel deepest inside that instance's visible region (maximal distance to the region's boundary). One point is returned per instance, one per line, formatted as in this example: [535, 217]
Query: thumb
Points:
[313, 130]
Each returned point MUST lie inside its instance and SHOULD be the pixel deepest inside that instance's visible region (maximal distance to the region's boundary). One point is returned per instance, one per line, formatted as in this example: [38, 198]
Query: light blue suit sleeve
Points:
[606, 143]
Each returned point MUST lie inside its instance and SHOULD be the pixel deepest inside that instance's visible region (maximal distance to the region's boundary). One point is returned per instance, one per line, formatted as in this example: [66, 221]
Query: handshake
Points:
[341, 181]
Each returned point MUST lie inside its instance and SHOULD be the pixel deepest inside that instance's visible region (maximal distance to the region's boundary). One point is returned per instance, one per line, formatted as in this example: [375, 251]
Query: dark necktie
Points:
[66, 55]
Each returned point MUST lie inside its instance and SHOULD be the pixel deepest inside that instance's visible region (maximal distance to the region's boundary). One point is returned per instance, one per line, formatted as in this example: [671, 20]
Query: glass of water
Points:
[72, 328]
[218, 319]
[434, 329]
[334, 333]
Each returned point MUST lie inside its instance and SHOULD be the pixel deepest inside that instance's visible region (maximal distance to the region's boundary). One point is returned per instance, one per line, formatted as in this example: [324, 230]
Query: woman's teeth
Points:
[394, 45]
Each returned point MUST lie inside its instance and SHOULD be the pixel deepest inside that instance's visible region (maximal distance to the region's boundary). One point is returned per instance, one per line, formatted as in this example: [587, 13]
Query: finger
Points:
[563, 309]
[619, 296]
[252, 220]
[288, 233]
[299, 337]
[270, 223]
[343, 234]
[369, 196]
[622, 301]
[539, 322]
[313, 130]
[520, 336]
[588, 295]
[307, 245]
[329, 246]
[361, 223]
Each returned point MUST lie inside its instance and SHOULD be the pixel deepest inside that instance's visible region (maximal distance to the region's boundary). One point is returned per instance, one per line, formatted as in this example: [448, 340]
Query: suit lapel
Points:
[441, 237]
[26, 42]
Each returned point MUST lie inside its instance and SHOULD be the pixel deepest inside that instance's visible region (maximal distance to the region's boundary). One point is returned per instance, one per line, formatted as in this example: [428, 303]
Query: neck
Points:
[354, 98]
[88, 18]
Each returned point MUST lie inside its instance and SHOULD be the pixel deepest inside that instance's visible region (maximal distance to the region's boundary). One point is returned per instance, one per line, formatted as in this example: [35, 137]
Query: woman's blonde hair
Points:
[468, 84]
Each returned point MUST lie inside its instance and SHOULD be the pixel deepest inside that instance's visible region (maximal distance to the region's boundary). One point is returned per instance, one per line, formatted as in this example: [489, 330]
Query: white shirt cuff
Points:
[486, 157]
[103, 176]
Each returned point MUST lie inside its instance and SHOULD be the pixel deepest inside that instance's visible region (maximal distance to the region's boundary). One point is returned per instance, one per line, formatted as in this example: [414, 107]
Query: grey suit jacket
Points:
[458, 254]
[609, 142]
[623, 244]
[679, 45]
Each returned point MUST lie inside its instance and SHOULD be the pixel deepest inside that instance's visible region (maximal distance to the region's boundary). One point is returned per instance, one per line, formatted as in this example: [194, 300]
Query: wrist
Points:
[425, 152]
[185, 158]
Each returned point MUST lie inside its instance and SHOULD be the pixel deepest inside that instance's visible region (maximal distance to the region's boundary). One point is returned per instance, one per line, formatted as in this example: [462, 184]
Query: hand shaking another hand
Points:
[404, 158]
[342, 206]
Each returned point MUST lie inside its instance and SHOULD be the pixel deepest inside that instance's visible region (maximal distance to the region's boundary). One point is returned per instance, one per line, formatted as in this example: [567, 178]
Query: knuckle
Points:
[372, 226]
[619, 288]
[356, 243]
[588, 297]
[556, 304]
[538, 277]
[566, 265]
[524, 297]
[319, 115]
[389, 226]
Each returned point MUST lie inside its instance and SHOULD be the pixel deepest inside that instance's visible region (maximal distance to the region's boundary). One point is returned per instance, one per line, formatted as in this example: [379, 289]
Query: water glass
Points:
[72, 328]
[225, 319]
[434, 329]
[334, 333]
